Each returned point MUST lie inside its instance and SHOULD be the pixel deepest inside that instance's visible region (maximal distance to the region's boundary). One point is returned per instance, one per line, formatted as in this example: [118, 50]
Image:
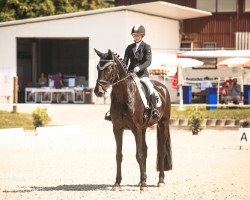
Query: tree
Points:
[23, 9]
[64, 6]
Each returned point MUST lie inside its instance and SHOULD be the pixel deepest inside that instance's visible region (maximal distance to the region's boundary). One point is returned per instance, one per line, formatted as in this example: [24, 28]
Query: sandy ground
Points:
[82, 165]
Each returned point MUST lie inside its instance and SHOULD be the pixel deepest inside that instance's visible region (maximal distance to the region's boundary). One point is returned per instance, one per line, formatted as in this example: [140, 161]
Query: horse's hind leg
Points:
[118, 138]
[164, 157]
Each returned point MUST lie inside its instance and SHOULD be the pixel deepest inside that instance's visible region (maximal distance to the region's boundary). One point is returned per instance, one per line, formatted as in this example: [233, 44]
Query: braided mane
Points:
[121, 61]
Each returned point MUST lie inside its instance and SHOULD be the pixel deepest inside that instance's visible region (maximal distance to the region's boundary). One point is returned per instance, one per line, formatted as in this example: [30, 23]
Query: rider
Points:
[139, 54]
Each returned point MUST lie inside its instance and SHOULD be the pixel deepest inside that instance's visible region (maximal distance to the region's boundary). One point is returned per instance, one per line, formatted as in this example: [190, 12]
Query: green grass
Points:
[221, 113]
[16, 120]
[23, 120]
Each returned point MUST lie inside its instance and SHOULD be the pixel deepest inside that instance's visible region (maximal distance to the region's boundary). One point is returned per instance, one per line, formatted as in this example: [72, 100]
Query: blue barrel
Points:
[211, 97]
[187, 94]
[246, 90]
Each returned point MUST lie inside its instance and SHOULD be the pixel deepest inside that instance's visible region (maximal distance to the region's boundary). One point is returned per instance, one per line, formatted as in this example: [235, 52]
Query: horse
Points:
[127, 113]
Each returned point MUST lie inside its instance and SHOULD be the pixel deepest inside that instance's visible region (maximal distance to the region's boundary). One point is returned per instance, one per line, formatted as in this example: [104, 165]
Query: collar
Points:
[137, 45]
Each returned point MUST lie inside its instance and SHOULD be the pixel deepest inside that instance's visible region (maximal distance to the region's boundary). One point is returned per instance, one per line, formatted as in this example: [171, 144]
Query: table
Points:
[39, 95]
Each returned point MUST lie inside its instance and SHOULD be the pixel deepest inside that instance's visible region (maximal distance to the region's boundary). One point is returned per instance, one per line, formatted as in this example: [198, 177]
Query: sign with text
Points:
[244, 136]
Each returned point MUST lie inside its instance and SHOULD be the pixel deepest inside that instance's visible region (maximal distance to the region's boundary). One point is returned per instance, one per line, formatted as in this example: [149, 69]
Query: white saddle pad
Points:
[142, 94]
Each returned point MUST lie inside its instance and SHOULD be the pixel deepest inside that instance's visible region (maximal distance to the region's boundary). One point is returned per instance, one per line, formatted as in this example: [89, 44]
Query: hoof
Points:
[143, 189]
[161, 184]
[116, 188]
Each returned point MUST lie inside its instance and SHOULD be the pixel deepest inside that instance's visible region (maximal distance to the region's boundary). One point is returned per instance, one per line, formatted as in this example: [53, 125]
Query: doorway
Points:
[70, 56]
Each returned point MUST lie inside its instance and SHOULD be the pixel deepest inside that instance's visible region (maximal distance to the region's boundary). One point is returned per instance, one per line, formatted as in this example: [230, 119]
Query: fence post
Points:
[15, 94]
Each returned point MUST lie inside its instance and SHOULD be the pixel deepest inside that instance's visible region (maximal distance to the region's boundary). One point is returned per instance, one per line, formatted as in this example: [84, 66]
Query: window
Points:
[206, 5]
[209, 45]
[217, 5]
[226, 5]
[186, 45]
[247, 5]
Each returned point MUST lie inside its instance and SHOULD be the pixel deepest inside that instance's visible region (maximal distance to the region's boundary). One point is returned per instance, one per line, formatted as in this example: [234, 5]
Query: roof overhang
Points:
[158, 8]
[168, 10]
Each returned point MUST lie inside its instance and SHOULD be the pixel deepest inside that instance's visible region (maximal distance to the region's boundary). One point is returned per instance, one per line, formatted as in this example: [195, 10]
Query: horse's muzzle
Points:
[99, 91]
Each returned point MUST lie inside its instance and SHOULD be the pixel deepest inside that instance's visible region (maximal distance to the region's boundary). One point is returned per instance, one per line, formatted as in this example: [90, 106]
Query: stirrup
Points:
[155, 113]
[107, 116]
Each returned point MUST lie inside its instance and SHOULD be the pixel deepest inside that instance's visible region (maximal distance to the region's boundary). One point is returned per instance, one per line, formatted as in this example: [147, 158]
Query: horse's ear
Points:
[110, 54]
[100, 54]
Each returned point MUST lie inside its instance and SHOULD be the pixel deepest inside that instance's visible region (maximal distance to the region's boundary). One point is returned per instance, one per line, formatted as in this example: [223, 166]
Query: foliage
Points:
[196, 119]
[220, 113]
[15, 120]
[245, 124]
[40, 117]
[23, 9]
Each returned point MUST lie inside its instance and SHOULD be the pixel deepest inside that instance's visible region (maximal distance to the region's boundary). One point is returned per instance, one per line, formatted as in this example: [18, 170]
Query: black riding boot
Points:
[155, 113]
[107, 116]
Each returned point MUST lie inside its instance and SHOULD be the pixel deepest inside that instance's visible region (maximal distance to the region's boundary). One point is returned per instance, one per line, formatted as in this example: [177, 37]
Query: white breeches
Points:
[147, 81]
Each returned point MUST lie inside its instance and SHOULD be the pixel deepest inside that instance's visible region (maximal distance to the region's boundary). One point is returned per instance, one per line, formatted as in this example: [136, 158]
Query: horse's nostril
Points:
[100, 94]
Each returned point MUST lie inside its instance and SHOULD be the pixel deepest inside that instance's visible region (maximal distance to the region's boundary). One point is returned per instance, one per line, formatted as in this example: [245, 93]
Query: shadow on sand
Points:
[82, 187]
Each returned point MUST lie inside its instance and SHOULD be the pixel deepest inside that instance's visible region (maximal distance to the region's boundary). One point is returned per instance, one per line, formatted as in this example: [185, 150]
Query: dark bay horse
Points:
[127, 112]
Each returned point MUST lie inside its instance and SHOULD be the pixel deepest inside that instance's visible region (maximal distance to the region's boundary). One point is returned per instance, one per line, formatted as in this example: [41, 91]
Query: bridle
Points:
[115, 74]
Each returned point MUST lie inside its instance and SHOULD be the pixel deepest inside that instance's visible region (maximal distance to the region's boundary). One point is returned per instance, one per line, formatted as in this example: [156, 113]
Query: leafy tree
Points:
[64, 6]
[23, 9]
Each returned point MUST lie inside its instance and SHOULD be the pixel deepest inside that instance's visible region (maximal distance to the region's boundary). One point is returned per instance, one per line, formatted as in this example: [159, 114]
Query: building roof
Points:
[158, 8]
[168, 10]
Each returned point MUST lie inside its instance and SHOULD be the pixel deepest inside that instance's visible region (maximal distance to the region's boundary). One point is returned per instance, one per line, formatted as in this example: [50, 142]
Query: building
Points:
[65, 43]
[211, 39]
[227, 28]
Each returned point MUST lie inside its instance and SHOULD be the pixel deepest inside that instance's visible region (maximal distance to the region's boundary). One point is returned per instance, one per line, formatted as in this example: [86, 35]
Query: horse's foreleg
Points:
[140, 157]
[144, 148]
[118, 138]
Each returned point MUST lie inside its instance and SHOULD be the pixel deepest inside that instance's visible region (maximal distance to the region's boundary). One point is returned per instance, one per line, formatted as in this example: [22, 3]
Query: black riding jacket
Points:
[141, 58]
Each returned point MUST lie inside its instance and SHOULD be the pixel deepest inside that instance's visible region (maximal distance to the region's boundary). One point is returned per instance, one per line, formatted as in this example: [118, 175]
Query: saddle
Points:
[145, 96]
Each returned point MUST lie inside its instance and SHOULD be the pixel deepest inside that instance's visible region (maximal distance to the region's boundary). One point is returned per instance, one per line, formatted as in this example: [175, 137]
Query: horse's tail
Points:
[167, 149]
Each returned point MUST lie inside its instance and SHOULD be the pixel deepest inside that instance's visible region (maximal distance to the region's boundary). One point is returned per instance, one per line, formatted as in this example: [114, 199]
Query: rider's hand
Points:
[136, 69]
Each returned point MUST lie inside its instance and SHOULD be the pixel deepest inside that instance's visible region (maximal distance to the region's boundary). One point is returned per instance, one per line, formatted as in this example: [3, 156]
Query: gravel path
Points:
[207, 166]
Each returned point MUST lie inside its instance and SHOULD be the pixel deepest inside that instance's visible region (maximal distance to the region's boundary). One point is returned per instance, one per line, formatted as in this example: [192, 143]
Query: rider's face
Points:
[137, 37]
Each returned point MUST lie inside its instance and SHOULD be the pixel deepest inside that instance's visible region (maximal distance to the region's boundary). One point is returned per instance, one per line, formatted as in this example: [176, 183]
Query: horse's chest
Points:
[121, 111]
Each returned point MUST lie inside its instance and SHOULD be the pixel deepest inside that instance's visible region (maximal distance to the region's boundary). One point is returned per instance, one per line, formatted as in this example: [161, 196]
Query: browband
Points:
[106, 65]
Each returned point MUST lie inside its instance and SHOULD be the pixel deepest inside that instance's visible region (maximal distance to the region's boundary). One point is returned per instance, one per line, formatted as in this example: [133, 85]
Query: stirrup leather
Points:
[154, 112]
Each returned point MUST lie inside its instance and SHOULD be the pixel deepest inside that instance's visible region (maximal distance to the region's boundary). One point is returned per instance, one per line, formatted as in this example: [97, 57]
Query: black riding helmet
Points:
[138, 29]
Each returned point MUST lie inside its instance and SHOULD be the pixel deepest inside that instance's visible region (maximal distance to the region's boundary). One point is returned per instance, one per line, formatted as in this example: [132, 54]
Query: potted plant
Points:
[196, 119]
[245, 124]
[40, 117]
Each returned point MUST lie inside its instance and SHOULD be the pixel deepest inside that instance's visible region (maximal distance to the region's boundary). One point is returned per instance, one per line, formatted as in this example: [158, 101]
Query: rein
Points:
[121, 80]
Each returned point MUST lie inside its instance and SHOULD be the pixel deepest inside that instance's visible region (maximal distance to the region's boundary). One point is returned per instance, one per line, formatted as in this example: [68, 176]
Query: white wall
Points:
[101, 29]
[105, 31]
[161, 33]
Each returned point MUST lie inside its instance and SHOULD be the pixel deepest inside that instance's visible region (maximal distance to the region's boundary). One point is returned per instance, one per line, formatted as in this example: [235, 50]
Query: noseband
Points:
[115, 75]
